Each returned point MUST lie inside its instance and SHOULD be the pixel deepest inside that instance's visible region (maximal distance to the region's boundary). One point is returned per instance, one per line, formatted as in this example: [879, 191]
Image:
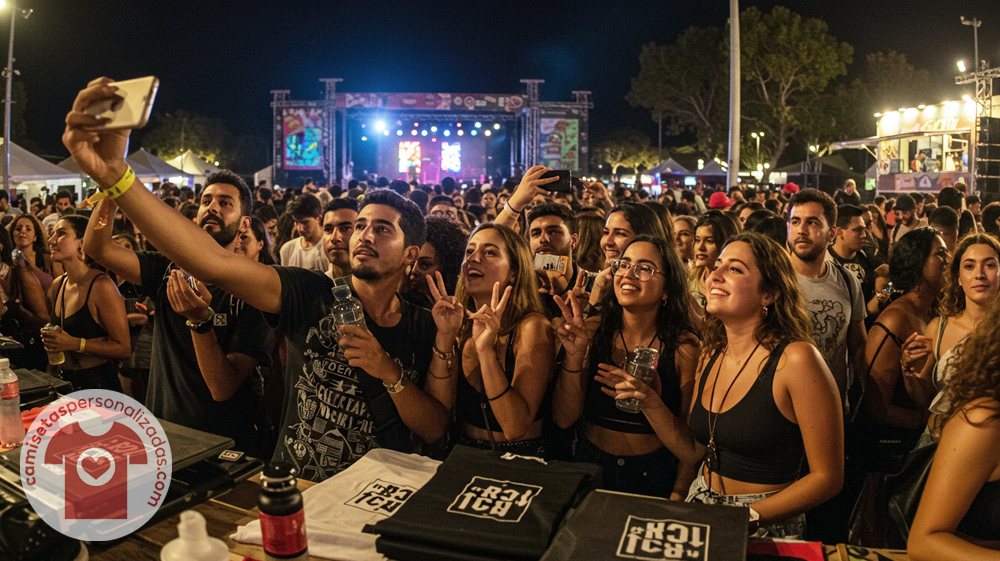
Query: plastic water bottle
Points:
[642, 365]
[11, 427]
[347, 310]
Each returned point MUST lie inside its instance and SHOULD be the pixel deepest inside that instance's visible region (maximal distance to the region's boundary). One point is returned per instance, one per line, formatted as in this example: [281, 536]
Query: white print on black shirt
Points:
[504, 501]
[381, 497]
[829, 322]
[647, 538]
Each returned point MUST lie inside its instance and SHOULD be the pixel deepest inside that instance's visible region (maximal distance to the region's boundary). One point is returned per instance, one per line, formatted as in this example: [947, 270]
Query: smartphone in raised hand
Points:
[131, 105]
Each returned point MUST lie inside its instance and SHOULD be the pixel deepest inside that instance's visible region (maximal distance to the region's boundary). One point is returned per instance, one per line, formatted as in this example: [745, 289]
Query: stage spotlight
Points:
[423, 133]
[434, 129]
[364, 126]
[473, 133]
[413, 133]
[459, 125]
[460, 133]
[496, 126]
[478, 125]
[386, 132]
[416, 124]
[364, 139]
[434, 139]
[399, 133]
[486, 132]
[380, 126]
[447, 132]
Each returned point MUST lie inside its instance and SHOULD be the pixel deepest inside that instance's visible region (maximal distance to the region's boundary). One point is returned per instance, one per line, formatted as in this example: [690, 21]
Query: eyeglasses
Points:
[641, 271]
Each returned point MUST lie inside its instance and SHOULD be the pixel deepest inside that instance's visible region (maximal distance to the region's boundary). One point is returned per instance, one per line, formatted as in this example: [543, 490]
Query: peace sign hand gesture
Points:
[486, 321]
[448, 312]
[571, 333]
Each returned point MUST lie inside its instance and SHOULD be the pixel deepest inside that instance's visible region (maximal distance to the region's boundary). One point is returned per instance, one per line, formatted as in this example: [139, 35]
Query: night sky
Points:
[222, 58]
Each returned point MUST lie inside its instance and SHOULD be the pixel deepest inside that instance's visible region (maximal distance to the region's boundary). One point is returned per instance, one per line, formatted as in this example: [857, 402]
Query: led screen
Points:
[302, 130]
[451, 156]
[409, 156]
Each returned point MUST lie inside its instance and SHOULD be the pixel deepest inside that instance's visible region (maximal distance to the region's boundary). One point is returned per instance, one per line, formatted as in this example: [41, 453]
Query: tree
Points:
[787, 62]
[171, 134]
[624, 148]
[687, 84]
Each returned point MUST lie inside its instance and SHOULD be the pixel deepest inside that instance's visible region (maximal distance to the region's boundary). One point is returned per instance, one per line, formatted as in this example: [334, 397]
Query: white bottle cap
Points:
[4, 363]
[193, 542]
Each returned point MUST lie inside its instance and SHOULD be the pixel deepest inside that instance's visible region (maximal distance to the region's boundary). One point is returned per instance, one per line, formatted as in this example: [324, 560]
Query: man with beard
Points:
[906, 217]
[552, 231]
[338, 226]
[206, 343]
[831, 293]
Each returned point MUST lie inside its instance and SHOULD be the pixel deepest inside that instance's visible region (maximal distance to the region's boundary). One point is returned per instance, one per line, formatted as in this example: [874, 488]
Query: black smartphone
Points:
[564, 185]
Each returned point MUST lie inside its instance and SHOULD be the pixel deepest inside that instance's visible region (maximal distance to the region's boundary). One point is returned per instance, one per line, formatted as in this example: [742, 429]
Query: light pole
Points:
[9, 71]
[975, 23]
[757, 136]
[974, 140]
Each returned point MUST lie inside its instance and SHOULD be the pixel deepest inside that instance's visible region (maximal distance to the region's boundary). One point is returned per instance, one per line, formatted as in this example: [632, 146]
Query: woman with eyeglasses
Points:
[641, 452]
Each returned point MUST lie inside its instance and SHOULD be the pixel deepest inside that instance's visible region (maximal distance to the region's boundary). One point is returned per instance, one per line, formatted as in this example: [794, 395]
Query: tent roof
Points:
[712, 168]
[159, 167]
[25, 166]
[189, 162]
[668, 166]
[835, 161]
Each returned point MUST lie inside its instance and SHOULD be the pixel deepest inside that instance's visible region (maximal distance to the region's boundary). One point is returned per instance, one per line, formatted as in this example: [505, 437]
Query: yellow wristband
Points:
[116, 190]
[83, 344]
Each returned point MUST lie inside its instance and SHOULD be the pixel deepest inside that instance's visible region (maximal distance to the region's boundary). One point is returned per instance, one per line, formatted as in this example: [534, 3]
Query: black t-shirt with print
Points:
[326, 425]
[177, 390]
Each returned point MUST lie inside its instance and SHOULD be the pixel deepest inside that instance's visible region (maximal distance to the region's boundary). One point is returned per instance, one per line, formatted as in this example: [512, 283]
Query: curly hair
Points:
[672, 318]
[524, 297]
[908, 257]
[976, 371]
[449, 242]
[787, 318]
[953, 296]
[40, 244]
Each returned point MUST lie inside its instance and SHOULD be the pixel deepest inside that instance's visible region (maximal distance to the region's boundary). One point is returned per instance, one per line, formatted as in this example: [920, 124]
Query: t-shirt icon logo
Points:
[96, 469]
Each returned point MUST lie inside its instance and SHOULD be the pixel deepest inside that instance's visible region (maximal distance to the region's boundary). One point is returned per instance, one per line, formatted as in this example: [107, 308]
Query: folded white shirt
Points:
[337, 509]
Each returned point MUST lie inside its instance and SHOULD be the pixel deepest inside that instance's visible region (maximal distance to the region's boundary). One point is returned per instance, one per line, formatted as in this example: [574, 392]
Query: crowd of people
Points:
[805, 344]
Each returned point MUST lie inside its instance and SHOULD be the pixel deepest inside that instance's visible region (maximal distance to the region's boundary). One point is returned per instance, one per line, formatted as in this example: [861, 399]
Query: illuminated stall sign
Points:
[302, 133]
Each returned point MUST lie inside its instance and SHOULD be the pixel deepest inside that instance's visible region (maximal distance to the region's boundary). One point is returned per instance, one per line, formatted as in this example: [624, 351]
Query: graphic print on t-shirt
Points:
[503, 501]
[647, 538]
[333, 428]
[96, 469]
[381, 497]
[829, 325]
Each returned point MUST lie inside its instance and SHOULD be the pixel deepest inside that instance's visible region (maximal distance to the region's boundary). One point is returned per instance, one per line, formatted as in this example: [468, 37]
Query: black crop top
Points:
[755, 443]
[983, 519]
[599, 408]
[81, 324]
[470, 405]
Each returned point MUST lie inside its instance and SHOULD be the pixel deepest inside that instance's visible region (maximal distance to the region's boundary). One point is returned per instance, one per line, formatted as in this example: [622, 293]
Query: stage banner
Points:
[431, 101]
[302, 131]
[559, 143]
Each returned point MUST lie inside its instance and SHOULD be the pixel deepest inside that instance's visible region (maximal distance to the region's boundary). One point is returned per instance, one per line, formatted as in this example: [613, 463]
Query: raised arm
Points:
[572, 375]
[530, 187]
[101, 155]
[97, 244]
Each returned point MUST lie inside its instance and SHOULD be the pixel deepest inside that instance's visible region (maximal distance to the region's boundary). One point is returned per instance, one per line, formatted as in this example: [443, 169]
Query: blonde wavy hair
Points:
[786, 319]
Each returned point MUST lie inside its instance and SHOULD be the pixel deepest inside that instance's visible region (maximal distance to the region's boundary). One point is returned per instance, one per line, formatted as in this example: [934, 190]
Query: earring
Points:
[765, 311]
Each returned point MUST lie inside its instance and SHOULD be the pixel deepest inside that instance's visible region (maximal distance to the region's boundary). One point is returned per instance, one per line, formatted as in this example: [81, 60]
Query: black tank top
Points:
[81, 324]
[470, 404]
[983, 519]
[755, 443]
[599, 408]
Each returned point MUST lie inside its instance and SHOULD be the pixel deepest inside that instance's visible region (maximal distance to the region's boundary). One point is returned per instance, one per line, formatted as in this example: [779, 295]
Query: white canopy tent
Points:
[190, 163]
[30, 174]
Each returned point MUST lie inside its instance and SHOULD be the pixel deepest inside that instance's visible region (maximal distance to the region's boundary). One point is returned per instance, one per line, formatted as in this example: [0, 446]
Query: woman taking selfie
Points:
[765, 401]
[29, 238]
[639, 452]
[88, 308]
[497, 375]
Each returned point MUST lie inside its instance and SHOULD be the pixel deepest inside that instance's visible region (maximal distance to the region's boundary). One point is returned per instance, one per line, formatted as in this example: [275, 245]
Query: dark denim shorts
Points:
[650, 474]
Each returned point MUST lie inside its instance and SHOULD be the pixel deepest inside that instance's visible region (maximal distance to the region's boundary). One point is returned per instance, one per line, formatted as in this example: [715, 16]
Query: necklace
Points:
[713, 454]
[621, 334]
[740, 360]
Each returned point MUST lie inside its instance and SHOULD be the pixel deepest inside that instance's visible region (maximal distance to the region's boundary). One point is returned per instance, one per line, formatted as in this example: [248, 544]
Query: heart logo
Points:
[96, 468]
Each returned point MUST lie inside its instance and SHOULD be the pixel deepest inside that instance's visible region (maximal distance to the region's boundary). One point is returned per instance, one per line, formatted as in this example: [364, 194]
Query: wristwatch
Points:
[204, 326]
[398, 386]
